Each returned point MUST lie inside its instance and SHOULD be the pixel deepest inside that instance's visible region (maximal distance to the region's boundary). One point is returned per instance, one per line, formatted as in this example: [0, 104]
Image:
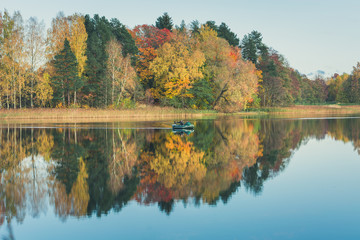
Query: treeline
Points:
[85, 61]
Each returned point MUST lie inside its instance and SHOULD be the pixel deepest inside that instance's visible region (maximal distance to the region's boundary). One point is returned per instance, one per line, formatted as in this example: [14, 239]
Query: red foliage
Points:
[149, 36]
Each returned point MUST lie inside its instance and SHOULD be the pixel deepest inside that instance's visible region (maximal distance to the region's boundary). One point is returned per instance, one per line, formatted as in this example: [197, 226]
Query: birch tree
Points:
[35, 48]
[119, 70]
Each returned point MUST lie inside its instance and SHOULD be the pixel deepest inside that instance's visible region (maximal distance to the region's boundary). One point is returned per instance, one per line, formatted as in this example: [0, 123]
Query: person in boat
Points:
[181, 122]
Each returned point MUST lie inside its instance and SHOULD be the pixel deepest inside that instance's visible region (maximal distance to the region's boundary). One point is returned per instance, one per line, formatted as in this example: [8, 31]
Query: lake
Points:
[231, 178]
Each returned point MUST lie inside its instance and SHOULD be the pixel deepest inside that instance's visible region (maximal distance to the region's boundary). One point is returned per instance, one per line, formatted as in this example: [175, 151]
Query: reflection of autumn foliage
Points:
[45, 143]
[94, 171]
[178, 170]
[178, 163]
[77, 201]
[236, 146]
[171, 170]
[2, 211]
[12, 189]
[122, 160]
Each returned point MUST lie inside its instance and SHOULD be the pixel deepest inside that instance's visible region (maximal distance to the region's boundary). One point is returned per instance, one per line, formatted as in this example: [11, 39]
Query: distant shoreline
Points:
[150, 113]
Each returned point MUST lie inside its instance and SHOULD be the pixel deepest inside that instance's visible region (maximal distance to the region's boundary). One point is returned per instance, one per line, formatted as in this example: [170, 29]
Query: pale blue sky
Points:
[311, 34]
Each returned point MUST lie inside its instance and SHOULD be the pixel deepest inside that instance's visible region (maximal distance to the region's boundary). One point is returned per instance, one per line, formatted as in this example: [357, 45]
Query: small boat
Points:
[186, 125]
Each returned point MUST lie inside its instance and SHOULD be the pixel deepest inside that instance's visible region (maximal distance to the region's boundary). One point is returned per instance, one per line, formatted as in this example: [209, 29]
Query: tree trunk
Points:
[106, 92]
[68, 99]
[113, 88]
[7, 97]
[14, 94]
[63, 92]
[20, 96]
[220, 95]
[32, 90]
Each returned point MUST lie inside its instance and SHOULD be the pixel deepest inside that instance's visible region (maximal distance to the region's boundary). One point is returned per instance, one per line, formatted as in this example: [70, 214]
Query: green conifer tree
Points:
[164, 21]
[66, 79]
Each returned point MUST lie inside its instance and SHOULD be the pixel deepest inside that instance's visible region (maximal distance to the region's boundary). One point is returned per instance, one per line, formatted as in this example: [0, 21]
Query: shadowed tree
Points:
[164, 21]
[225, 32]
[66, 78]
[252, 46]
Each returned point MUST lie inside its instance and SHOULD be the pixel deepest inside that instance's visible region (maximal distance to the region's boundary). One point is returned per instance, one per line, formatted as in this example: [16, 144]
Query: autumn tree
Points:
[119, 71]
[176, 68]
[56, 35]
[276, 82]
[43, 91]
[352, 86]
[100, 31]
[35, 47]
[13, 58]
[78, 38]
[148, 39]
[73, 29]
[6, 64]
[335, 89]
[234, 81]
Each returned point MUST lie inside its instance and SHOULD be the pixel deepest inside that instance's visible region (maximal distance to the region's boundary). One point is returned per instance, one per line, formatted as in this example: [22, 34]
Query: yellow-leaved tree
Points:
[234, 80]
[73, 29]
[176, 67]
[44, 91]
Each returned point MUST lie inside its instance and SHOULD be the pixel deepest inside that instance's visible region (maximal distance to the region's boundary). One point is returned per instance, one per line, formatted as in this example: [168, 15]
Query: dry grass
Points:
[316, 110]
[149, 113]
[98, 115]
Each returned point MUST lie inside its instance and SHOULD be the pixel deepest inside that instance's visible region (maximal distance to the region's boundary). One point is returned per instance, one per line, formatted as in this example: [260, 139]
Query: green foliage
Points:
[164, 21]
[100, 31]
[126, 103]
[66, 79]
[252, 47]
[195, 27]
[224, 32]
[122, 34]
[203, 96]
[182, 26]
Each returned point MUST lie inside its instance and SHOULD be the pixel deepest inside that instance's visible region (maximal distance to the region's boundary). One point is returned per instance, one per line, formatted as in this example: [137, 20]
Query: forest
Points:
[95, 62]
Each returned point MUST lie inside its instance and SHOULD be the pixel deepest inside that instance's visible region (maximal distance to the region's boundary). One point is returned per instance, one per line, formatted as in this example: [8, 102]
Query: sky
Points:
[311, 34]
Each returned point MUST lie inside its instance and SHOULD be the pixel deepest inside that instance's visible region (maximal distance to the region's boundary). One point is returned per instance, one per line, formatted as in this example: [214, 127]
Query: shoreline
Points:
[152, 113]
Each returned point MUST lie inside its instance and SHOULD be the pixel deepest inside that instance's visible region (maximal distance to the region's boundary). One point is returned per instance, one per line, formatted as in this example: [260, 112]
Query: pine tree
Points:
[225, 32]
[252, 47]
[164, 21]
[66, 80]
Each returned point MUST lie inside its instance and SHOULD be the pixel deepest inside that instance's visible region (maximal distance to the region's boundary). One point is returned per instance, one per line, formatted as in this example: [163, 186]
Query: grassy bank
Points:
[99, 115]
[315, 110]
[159, 113]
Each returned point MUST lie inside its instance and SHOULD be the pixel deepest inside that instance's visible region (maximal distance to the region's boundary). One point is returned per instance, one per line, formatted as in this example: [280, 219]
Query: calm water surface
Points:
[229, 179]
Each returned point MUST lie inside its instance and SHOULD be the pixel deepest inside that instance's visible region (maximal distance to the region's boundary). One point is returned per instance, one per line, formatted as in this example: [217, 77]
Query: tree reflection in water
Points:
[83, 172]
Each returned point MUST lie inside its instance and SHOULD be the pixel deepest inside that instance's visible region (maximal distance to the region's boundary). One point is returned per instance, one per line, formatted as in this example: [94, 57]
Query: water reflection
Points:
[79, 172]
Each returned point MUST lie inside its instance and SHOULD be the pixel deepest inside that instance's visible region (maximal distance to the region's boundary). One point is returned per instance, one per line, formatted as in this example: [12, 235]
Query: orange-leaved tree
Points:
[148, 39]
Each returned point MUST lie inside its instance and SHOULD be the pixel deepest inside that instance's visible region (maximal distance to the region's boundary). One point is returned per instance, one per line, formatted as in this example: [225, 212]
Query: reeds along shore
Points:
[158, 113]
